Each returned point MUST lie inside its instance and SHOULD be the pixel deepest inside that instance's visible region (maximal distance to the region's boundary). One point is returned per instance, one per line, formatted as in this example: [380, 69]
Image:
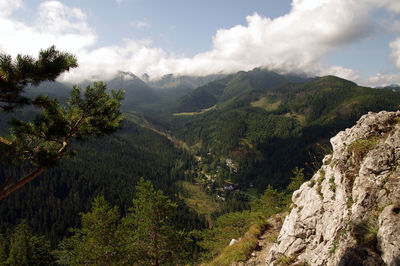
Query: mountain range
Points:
[193, 137]
[255, 118]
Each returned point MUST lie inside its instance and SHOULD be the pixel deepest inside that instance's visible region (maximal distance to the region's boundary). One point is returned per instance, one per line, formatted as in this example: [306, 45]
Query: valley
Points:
[212, 133]
[214, 150]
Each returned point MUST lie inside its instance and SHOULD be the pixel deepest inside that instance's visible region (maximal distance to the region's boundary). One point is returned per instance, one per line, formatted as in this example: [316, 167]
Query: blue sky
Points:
[354, 39]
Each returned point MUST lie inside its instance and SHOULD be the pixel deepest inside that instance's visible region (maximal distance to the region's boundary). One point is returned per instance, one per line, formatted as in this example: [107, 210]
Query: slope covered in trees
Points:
[231, 88]
[269, 132]
[110, 167]
[266, 124]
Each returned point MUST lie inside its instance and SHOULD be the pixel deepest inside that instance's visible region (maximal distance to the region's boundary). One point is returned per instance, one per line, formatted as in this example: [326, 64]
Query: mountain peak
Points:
[127, 75]
[145, 77]
[332, 81]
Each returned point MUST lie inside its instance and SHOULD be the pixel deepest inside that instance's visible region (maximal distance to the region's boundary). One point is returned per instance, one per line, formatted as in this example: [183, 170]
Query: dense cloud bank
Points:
[295, 42]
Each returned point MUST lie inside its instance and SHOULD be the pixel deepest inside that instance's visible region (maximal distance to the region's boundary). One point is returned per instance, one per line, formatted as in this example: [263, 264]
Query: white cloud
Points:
[105, 62]
[7, 7]
[395, 46]
[392, 5]
[295, 42]
[339, 71]
[56, 24]
[381, 79]
[141, 25]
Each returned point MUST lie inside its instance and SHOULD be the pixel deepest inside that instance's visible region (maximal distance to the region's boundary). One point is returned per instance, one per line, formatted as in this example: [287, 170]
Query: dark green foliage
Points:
[262, 127]
[44, 140]
[296, 180]
[145, 236]
[97, 242]
[41, 143]
[223, 91]
[4, 249]
[271, 202]
[148, 230]
[266, 142]
[24, 248]
[198, 99]
[111, 167]
[16, 74]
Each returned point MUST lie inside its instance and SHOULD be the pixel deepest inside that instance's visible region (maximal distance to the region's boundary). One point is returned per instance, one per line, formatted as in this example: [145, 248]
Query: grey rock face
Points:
[349, 212]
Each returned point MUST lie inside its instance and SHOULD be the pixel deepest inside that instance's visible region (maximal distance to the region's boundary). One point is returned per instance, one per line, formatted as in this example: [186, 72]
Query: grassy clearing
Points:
[263, 231]
[246, 142]
[195, 113]
[198, 200]
[241, 250]
[300, 117]
[251, 192]
[266, 103]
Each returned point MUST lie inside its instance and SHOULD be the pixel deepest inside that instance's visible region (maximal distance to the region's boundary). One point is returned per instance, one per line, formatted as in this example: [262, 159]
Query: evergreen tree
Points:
[4, 249]
[97, 242]
[271, 202]
[28, 249]
[41, 254]
[16, 74]
[151, 238]
[296, 180]
[44, 141]
[20, 250]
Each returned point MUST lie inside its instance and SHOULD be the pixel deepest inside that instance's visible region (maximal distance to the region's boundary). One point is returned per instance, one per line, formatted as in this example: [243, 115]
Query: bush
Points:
[360, 147]
[366, 235]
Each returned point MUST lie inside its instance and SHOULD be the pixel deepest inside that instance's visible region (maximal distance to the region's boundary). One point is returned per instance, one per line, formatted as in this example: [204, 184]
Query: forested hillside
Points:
[268, 132]
[231, 88]
[237, 142]
[110, 167]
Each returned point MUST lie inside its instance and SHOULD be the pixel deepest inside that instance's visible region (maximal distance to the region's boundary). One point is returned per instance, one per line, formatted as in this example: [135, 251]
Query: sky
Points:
[354, 39]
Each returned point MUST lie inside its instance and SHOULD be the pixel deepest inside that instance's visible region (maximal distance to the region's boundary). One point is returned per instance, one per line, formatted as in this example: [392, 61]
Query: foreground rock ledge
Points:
[349, 212]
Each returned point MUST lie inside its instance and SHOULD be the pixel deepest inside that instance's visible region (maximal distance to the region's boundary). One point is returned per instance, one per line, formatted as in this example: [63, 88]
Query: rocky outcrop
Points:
[349, 212]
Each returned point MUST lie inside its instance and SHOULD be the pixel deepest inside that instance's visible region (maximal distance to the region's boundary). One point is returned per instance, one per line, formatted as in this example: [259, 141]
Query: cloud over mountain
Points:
[295, 42]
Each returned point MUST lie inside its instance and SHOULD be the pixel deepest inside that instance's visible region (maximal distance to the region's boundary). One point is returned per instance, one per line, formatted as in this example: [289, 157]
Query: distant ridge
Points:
[231, 87]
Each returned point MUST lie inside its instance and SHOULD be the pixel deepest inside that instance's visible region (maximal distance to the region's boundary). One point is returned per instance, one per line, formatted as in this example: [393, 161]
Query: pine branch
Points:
[7, 189]
[4, 141]
[45, 141]
[20, 183]
[8, 180]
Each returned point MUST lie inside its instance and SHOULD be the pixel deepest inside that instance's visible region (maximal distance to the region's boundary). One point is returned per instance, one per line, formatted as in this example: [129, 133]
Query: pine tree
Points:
[296, 180]
[97, 242]
[16, 74]
[4, 249]
[150, 236]
[20, 250]
[271, 202]
[44, 141]
[28, 249]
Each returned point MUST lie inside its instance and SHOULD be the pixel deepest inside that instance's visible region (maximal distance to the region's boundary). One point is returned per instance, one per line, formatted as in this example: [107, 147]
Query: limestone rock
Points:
[233, 241]
[348, 213]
